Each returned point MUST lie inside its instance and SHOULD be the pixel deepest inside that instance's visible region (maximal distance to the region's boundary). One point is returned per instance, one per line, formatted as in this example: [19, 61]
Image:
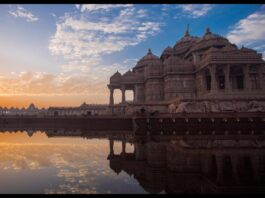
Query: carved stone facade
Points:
[195, 69]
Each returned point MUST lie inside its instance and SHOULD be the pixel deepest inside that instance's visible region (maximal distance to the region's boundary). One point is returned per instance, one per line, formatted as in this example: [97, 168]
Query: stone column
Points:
[123, 94]
[111, 144]
[247, 82]
[134, 94]
[234, 162]
[213, 78]
[255, 167]
[123, 146]
[111, 99]
[228, 86]
[219, 163]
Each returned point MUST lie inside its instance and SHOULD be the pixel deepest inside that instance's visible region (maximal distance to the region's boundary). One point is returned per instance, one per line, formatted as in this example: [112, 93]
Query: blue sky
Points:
[72, 50]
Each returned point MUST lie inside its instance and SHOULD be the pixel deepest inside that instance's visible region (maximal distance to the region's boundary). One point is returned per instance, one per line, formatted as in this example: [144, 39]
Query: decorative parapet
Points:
[231, 57]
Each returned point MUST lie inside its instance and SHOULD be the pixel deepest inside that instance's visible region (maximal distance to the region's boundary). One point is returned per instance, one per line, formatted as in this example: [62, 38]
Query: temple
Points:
[202, 74]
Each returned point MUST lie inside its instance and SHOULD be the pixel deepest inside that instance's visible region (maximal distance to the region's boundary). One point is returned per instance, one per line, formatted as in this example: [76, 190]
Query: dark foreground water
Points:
[65, 162]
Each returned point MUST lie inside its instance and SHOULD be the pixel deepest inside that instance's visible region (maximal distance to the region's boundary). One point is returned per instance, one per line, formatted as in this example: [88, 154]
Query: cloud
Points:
[79, 37]
[45, 83]
[250, 31]
[83, 37]
[195, 10]
[105, 7]
[21, 12]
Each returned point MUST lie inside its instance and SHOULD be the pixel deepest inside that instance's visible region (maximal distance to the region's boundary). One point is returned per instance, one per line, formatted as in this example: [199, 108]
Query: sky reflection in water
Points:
[39, 164]
[96, 162]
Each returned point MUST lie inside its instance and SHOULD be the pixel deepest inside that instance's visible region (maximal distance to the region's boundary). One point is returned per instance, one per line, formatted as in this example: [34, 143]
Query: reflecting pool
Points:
[117, 162]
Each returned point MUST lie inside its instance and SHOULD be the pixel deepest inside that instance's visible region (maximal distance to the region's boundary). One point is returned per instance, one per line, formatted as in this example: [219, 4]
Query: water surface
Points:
[55, 161]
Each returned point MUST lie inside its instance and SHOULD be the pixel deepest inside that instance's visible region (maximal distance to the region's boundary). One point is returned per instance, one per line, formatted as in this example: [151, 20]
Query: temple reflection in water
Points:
[183, 165]
[177, 167]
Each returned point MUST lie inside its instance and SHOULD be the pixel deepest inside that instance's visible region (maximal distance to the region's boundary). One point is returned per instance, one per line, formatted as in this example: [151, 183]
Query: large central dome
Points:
[185, 43]
[210, 40]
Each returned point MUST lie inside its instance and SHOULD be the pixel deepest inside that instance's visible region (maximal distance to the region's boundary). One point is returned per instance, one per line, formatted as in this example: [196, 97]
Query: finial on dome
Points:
[187, 31]
[207, 31]
[149, 51]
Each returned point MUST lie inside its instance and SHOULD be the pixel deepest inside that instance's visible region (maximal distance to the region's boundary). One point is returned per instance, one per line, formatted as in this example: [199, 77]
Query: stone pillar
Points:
[234, 162]
[247, 82]
[111, 99]
[123, 146]
[213, 78]
[255, 167]
[123, 94]
[228, 86]
[111, 144]
[134, 94]
[219, 163]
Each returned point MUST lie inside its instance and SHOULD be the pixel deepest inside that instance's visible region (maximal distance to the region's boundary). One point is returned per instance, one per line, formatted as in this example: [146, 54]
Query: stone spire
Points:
[207, 31]
[149, 51]
[187, 31]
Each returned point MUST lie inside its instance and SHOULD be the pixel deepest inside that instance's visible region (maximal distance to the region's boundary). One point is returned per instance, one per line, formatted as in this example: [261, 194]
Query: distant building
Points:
[30, 110]
[197, 74]
[84, 109]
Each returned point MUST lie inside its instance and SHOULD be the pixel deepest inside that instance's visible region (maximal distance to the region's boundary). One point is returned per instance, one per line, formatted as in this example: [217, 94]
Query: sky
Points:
[64, 55]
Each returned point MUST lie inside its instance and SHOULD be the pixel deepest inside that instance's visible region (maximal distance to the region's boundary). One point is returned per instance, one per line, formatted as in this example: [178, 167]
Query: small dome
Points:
[31, 107]
[167, 52]
[210, 40]
[129, 76]
[115, 77]
[149, 56]
[115, 165]
[147, 59]
[84, 105]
